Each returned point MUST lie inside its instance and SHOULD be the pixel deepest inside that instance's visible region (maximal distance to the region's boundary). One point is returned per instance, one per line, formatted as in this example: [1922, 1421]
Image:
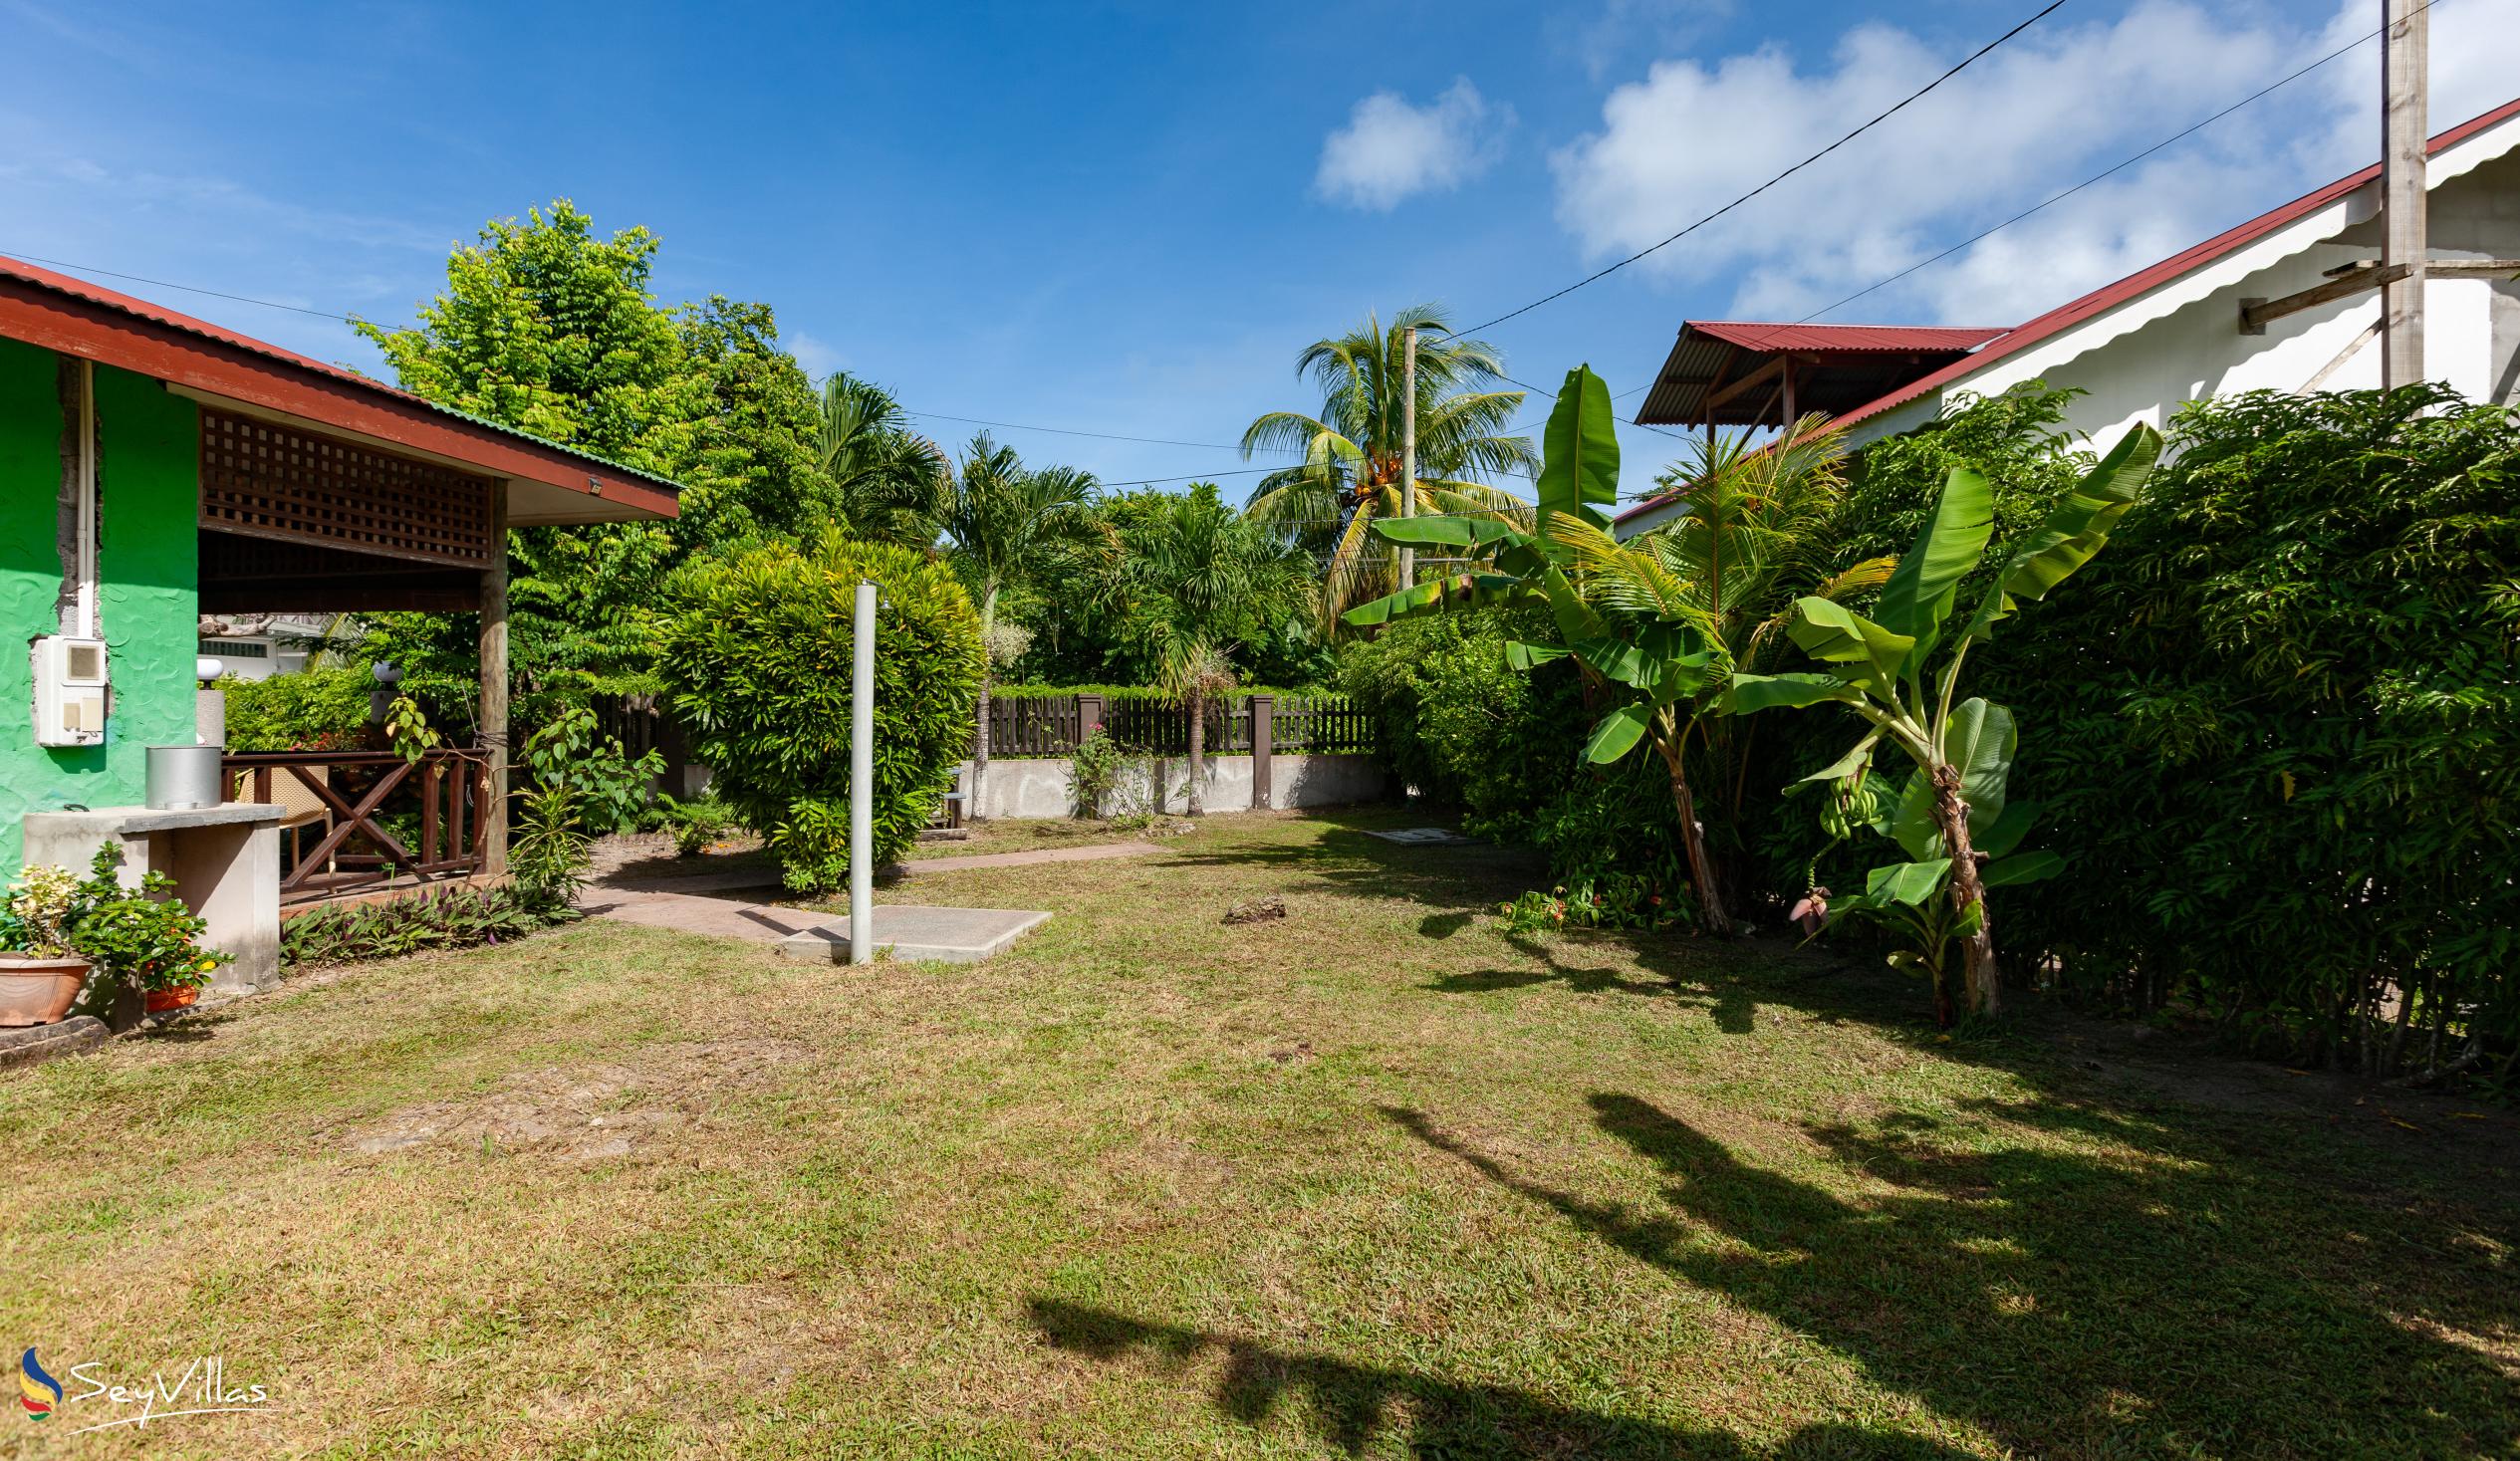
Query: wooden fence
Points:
[1022, 726]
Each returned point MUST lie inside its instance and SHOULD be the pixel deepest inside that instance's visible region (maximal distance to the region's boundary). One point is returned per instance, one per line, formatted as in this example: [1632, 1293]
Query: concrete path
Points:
[724, 917]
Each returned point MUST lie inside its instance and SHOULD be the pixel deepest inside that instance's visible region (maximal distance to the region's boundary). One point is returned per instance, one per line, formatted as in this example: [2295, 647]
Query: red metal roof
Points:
[2074, 311]
[64, 312]
[2066, 315]
[1901, 338]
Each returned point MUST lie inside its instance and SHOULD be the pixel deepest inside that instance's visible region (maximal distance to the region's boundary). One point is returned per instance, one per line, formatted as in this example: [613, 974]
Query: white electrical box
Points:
[69, 691]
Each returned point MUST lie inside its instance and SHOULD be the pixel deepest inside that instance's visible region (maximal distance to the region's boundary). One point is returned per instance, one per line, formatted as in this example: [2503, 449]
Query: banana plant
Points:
[1662, 662]
[1913, 898]
[1900, 670]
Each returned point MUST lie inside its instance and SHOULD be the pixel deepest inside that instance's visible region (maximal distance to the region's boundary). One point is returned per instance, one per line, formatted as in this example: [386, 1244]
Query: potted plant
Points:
[41, 974]
[144, 936]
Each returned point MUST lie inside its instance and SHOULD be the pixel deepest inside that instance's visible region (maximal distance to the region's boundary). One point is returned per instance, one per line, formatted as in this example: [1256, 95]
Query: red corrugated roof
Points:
[657, 492]
[2066, 315]
[1759, 336]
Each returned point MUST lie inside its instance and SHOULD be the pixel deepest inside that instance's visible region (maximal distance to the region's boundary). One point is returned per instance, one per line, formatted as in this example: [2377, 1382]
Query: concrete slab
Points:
[910, 932]
[1423, 836]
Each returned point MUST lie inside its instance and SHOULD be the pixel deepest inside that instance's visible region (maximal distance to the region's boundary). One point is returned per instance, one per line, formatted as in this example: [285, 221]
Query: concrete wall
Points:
[1039, 787]
[148, 505]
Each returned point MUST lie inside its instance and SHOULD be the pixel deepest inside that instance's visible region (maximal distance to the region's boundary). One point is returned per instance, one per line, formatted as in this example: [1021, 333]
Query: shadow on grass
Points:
[2073, 1301]
[1355, 1405]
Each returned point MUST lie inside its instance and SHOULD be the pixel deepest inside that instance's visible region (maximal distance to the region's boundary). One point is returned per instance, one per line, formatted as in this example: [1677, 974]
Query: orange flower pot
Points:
[39, 991]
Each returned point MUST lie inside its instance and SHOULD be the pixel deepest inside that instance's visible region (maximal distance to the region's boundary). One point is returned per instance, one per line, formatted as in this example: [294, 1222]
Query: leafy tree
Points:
[1955, 800]
[1004, 522]
[755, 650]
[1202, 572]
[550, 328]
[1349, 476]
[891, 484]
[1101, 638]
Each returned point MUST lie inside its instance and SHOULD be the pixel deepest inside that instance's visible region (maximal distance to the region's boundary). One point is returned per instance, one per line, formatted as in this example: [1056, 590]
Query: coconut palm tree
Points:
[1196, 572]
[1004, 522]
[1349, 473]
[892, 482]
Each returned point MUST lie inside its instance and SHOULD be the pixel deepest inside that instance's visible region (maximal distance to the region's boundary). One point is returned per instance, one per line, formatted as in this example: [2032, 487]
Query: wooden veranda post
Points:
[494, 689]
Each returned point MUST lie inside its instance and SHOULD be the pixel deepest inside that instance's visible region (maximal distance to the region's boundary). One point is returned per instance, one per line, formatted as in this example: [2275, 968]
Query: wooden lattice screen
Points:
[268, 481]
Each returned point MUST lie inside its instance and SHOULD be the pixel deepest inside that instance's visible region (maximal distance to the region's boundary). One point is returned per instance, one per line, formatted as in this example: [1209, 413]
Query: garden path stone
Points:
[909, 931]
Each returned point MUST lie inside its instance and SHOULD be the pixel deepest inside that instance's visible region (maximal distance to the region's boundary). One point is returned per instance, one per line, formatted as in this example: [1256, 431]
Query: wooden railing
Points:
[1050, 725]
[366, 819]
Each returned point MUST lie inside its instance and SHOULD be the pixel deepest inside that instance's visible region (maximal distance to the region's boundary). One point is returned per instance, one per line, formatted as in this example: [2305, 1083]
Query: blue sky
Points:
[1128, 218]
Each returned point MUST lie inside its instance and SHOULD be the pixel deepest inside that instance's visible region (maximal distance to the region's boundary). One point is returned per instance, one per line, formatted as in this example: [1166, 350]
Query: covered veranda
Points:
[325, 491]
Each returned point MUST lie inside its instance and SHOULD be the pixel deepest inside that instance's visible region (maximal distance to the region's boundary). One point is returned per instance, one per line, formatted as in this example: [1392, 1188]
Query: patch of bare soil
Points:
[586, 1112]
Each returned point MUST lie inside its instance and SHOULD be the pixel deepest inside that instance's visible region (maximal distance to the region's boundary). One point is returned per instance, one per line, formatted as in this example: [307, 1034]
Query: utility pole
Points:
[1409, 447]
[2404, 46]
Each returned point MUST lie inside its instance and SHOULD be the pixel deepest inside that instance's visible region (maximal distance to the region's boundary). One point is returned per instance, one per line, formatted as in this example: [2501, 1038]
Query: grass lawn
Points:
[1370, 1180]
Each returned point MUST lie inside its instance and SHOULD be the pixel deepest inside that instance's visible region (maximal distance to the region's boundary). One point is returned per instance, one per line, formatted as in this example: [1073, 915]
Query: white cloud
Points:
[1390, 149]
[2045, 112]
[819, 357]
[1626, 27]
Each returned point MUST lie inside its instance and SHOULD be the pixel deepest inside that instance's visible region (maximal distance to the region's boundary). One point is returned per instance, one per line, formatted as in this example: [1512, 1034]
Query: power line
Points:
[1098, 435]
[1900, 105]
[2102, 177]
[242, 298]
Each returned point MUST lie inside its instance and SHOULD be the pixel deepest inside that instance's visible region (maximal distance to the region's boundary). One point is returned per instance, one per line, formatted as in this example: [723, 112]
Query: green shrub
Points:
[445, 917]
[697, 822]
[1458, 724]
[2281, 735]
[611, 790]
[547, 863]
[312, 710]
[756, 655]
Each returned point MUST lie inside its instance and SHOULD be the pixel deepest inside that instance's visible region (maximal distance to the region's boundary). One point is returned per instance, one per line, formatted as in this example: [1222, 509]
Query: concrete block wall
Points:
[1040, 787]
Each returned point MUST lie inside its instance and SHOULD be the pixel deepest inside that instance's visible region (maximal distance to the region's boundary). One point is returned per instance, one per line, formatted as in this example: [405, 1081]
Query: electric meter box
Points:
[69, 691]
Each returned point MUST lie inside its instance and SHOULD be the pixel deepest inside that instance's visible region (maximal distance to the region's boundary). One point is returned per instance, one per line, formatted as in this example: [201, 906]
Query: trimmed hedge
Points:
[312, 710]
[756, 653]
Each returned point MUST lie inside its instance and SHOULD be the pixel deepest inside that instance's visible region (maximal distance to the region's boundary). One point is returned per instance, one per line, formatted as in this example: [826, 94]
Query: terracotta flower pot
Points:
[162, 1000]
[39, 991]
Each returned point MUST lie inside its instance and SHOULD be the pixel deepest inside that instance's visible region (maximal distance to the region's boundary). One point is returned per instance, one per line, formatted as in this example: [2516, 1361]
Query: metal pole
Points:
[1409, 447]
[862, 782]
[2404, 42]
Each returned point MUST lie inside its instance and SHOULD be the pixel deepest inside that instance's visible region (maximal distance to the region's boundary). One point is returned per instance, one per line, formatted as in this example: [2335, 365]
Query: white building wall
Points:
[2143, 359]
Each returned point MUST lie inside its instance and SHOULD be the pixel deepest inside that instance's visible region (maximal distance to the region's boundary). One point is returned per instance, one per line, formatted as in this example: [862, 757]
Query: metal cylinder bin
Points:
[181, 777]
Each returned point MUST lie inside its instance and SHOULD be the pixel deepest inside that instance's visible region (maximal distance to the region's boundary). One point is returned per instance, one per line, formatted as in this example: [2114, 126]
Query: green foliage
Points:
[1612, 840]
[312, 710]
[611, 790]
[408, 730]
[1090, 638]
[756, 652]
[1349, 480]
[548, 856]
[1461, 725]
[445, 917]
[546, 327]
[892, 484]
[2284, 761]
[699, 822]
[42, 912]
[1095, 770]
[144, 936]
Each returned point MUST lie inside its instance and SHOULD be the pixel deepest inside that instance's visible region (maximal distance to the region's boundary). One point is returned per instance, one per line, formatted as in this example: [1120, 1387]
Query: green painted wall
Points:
[147, 563]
